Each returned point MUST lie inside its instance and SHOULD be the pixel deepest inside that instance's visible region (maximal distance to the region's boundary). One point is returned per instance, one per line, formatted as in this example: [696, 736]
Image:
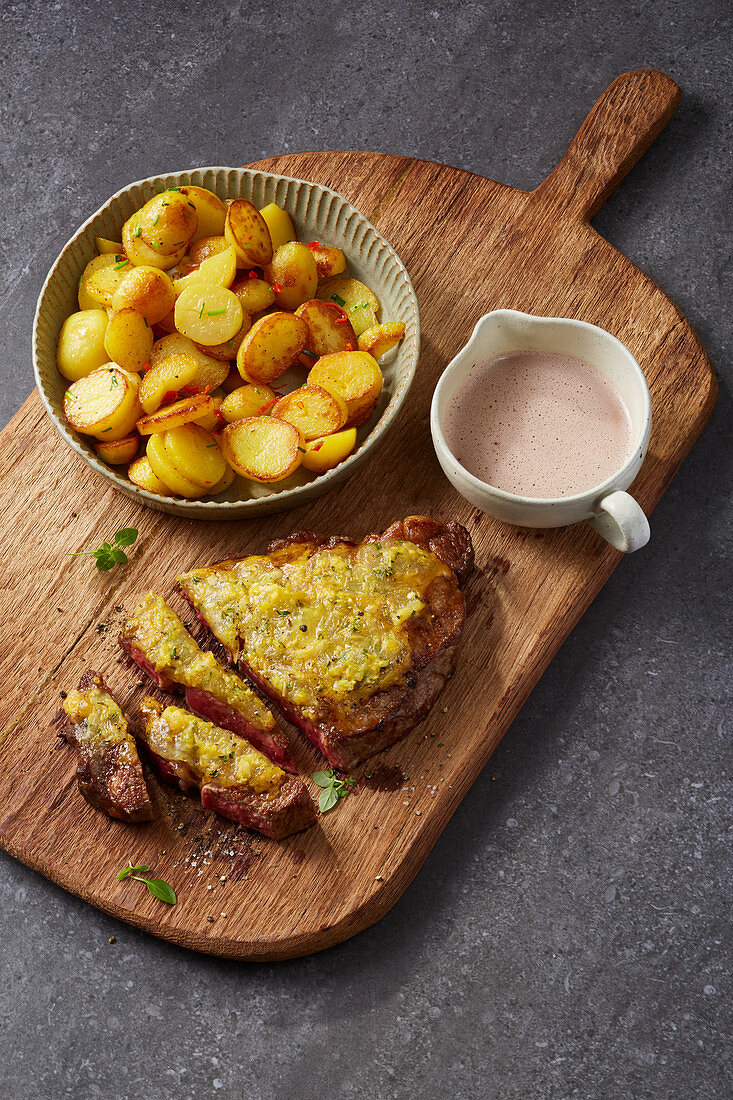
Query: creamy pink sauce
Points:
[539, 424]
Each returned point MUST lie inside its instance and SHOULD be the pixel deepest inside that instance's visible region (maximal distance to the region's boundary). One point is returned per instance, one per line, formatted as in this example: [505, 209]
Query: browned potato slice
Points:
[128, 340]
[205, 247]
[360, 304]
[227, 350]
[263, 449]
[106, 247]
[210, 374]
[146, 289]
[80, 349]
[141, 473]
[382, 338]
[103, 404]
[186, 411]
[168, 376]
[167, 472]
[224, 483]
[232, 381]
[255, 294]
[271, 346]
[247, 401]
[100, 280]
[208, 314]
[247, 233]
[119, 451]
[215, 419]
[329, 327]
[218, 270]
[210, 209]
[195, 453]
[280, 225]
[323, 454]
[356, 376]
[168, 221]
[292, 275]
[313, 410]
[329, 261]
[140, 253]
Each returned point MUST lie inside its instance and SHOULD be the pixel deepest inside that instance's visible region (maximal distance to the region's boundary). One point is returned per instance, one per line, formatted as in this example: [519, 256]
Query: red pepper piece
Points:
[277, 287]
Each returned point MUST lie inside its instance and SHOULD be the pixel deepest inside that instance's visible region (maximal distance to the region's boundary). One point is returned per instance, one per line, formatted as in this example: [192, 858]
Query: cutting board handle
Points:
[623, 123]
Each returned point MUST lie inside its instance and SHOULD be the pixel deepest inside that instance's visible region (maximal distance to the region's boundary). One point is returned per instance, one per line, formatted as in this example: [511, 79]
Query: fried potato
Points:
[205, 247]
[323, 454]
[382, 338]
[215, 418]
[185, 411]
[80, 348]
[263, 449]
[210, 374]
[247, 233]
[210, 210]
[232, 381]
[167, 472]
[227, 351]
[100, 280]
[329, 327]
[313, 410]
[146, 289]
[169, 375]
[195, 453]
[208, 314]
[279, 223]
[329, 261]
[141, 473]
[218, 270]
[168, 221]
[224, 482]
[358, 301]
[106, 247]
[104, 404]
[355, 376]
[254, 294]
[140, 253]
[128, 340]
[247, 401]
[271, 346]
[292, 275]
[118, 452]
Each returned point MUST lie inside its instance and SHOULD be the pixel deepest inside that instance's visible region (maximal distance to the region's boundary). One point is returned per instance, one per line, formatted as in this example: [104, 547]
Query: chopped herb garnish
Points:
[214, 312]
[107, 555]
[122, 263]
[201, 311]
[137, 232]
[338, 300]
[157, 220]
[160, 889]
[333, 788]
[310, 354]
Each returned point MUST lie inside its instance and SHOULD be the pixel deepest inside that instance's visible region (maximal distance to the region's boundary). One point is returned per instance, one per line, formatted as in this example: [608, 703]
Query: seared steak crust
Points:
[109, 771]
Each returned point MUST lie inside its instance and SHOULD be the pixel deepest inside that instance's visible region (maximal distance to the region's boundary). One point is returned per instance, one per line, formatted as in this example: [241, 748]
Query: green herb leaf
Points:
[107, 556]
[161, 889]
[126, 536]
[333, 788]
[119, 555]
[130, 870]
[322, 779]
[327, 799]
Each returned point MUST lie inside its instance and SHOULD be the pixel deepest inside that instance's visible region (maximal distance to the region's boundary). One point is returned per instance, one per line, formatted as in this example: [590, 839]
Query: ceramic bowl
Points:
[319, 214]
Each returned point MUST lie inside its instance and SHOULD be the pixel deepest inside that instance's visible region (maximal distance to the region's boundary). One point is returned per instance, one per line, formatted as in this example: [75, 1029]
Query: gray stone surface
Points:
[566, 937]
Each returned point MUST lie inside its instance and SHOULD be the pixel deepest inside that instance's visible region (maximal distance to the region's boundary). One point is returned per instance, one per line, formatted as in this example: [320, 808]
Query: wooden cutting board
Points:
[470, 245]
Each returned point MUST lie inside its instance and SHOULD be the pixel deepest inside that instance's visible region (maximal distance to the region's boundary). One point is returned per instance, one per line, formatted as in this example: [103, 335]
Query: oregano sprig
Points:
[158, 887]
[333, 788]
[110, 554]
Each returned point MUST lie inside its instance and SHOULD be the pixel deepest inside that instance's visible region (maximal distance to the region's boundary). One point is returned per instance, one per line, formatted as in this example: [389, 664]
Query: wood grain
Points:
[471, 245]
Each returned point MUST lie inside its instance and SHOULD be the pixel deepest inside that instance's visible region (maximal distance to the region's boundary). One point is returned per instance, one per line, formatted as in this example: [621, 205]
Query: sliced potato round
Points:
[329, 327]
[105, 247]
[224, 483]
[169, 375]
[210, 210]
[118, 452]
[323, 454]
[219, 270]
[203, 248]
[167, 472]
[292, 275]
[186, 411]
[211, 372]
[168, 221]
[271, 346]
[254, 294]
[195, 453]
[128, 339]
[142, 474]
[104, 404]
[382, 338]
[215, 418]
[80, 348]
[146, 289]
[263, 449]
[329, 261]
[247, 232]
[100, 280]
[313, 410]
[359, 302]
[140, 253]
[355, 376]
[227, 351]
[280, 225]
[247, 401]
[208, 314]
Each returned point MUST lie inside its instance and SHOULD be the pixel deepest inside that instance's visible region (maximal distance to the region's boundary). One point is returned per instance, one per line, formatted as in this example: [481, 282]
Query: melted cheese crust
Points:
[161, 637]
[328, 622]
[102, 723]
[213, 754]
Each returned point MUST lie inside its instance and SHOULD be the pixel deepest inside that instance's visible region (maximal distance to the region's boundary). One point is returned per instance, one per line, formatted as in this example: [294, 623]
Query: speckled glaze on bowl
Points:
[318, 214]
